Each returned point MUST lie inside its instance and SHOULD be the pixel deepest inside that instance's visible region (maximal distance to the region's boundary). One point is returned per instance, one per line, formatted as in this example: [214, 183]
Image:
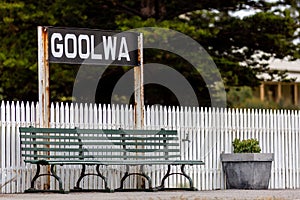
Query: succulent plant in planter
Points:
[247, 168]
[246, 146]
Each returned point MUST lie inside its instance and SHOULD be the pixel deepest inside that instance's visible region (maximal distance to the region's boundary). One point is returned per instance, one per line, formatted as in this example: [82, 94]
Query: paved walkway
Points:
[174, 195]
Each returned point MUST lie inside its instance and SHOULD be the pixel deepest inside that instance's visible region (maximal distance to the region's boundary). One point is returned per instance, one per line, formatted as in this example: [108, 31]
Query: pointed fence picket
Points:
[204, 134]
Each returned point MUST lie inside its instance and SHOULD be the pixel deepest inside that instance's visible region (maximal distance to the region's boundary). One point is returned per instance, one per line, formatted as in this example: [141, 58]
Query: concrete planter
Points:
[247, 170]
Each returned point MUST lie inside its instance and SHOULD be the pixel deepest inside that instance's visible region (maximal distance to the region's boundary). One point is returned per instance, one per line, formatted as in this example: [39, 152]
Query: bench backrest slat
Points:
[127, 132]
[47, 130]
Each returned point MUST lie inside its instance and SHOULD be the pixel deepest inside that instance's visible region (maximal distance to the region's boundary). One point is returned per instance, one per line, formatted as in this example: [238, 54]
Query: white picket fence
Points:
[204, 134]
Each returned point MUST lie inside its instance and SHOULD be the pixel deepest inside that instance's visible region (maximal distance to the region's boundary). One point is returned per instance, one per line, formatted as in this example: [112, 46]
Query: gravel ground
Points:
[174, 195]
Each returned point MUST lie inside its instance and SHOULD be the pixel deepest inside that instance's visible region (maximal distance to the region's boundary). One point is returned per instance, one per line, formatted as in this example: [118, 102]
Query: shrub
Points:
[246, 146]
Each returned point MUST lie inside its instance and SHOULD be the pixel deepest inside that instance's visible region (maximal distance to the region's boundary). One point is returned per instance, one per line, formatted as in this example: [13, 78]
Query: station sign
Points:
[92, 46]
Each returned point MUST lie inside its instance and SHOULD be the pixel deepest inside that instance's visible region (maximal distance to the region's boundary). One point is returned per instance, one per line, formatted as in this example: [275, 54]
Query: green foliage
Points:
[237, 96]
[18, 47]
[229, 40]
[242, 97]
[267, 104]
[254, 102]
[246, 146]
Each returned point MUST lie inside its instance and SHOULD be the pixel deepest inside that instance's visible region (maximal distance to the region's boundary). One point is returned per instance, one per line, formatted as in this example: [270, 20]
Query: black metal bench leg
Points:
[162, 185]
[83, 174]
[103, 177]
[188, 177]
[127, 174]
[37, 175]
[143, 174]
[57, 178]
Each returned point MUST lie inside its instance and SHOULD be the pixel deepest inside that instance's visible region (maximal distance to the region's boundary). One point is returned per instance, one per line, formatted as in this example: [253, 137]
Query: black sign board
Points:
[91, 46]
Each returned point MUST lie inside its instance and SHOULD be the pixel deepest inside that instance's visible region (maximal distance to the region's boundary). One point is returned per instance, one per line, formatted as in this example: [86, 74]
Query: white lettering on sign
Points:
[57, 49]
[68, 53]
[80, 46]
[109, 47]
[123, 50]
[93, 54]
[83, 46]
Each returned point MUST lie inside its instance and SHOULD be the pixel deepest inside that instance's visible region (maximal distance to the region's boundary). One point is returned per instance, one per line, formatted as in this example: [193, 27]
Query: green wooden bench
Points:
[103, 147]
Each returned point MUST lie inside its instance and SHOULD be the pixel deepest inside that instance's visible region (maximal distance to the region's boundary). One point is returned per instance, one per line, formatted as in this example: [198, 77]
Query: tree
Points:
[240, 47]
[18, 47]
[230, 40]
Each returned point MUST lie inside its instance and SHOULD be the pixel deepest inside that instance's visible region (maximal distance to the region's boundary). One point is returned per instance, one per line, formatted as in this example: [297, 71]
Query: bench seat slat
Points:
[100, 156]
[124, 162]
[136, 156]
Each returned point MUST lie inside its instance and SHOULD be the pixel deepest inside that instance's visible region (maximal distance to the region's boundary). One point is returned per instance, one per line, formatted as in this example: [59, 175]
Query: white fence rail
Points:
[204, 133]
